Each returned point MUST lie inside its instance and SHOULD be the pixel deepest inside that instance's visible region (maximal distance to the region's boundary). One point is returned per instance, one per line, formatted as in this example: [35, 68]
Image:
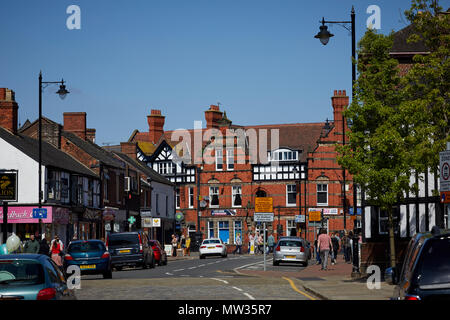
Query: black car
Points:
[130, 249]
[425, 272]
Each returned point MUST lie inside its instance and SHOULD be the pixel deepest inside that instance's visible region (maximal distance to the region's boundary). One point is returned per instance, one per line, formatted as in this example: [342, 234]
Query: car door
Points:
[408, 269]
[59, 282]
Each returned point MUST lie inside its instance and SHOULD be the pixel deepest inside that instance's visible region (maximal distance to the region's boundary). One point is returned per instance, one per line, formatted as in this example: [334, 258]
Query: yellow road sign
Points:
[315, 216]
[263, 204]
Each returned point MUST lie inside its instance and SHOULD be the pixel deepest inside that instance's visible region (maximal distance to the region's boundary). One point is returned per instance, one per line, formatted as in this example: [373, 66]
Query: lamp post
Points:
[62, 92]
[324, 35]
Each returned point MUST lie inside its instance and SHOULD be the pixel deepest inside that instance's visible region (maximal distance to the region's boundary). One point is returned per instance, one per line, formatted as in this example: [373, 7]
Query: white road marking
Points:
[178, 270]
[251, 298]
[238, 289]
[169, 274]
[192, 268]
[202, 265]
[226, 282]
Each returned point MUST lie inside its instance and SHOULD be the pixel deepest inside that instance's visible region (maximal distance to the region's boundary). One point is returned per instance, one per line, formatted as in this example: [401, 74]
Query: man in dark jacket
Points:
[32, 245]
[335, 241]
[44, 248]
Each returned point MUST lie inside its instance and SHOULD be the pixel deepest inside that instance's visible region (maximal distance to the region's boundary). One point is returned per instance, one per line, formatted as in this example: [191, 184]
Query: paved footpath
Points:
[333, 284]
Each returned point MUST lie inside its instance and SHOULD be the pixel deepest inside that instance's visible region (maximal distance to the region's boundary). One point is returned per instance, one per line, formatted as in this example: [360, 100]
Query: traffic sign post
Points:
[263, 213]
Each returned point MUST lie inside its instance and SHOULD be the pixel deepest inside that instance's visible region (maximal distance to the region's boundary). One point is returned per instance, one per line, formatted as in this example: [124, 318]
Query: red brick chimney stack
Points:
[75, 122]
[155, 125]
[129, 148]
[212, 116]
[90, 135]
[339, 101]
[8, 110]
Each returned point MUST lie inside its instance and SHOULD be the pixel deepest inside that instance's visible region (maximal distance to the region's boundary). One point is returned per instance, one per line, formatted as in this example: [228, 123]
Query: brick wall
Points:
[8, 110]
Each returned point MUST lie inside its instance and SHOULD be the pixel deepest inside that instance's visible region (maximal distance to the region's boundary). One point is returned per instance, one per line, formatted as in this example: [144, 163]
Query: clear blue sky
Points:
[259, 59]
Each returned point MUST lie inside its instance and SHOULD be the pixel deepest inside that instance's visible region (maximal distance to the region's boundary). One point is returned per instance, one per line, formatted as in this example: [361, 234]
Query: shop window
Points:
[224, 231]
[191, 197]
[237, 230]
[211, 229]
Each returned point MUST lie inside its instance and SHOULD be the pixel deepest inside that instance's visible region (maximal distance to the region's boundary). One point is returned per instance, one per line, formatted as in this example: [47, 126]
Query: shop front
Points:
[91, 225]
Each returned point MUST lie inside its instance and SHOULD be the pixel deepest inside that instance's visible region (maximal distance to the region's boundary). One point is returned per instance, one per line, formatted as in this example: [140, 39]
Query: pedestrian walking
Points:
[238, 243]
[335, 241]
[251, 239]
[261, 244]
[325, 247]
[188, 245]
[56, 250]
[256, 243]
[32, 245]
[174, 246]
[44, 248]
[183, 244]
[350, 244]
[317, 253]
[271, 242]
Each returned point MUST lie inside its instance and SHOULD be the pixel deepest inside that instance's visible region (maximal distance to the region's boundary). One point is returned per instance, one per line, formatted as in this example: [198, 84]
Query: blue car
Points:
[91, 256]
[29, 276]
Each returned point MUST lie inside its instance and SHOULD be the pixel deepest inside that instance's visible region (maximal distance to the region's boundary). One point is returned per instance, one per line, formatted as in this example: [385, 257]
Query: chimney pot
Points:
[8, 110]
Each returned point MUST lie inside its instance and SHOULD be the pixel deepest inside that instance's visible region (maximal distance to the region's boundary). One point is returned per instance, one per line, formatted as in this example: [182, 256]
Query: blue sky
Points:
[259, 59]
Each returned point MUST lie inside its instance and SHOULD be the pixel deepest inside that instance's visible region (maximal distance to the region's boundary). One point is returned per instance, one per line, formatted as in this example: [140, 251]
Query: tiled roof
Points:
[93, 150]
[51, 156]
[401, 44]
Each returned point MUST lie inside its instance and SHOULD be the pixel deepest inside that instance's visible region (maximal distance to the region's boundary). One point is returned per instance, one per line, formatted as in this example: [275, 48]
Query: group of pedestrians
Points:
[54, 249]
[327, 246]
[258, 242]
[181, 242]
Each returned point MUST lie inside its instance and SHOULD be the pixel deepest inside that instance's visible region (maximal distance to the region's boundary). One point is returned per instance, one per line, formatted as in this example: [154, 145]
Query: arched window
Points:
[261, 193]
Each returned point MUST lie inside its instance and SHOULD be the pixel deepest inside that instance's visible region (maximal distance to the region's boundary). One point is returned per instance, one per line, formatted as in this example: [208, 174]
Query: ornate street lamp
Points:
[62, 92]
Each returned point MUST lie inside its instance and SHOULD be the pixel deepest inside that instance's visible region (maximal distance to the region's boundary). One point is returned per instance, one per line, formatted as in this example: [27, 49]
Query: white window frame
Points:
[287, 195]
[230, 159]
[233, 195]
[210, 223]
[219, 159]
[317, 194]
[191, 197]
[290, 224]
[211, 193]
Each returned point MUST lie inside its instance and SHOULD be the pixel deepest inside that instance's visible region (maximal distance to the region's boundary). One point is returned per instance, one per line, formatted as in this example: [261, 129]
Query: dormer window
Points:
[282, 155]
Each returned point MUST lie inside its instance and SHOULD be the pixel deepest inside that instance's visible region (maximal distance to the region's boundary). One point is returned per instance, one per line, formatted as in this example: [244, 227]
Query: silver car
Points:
[290, 249]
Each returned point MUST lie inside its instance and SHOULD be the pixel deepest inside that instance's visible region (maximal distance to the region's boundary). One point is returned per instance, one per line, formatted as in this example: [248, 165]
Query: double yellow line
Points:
[297, 290]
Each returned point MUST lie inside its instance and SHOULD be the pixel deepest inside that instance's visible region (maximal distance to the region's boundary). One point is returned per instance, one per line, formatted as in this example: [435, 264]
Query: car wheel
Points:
[202, 257]
[305, 264]
[107, 274]
[275, 263]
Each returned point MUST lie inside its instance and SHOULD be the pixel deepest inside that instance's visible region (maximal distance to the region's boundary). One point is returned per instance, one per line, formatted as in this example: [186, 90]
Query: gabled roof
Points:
[146, 170]
[51, 156]
[401, 45]
[93, 150]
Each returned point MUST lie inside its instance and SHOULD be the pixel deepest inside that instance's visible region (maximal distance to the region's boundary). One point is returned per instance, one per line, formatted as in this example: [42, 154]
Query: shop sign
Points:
[225, 212]
[25, 215]
[326, 211]
[61, 216]
[156, 222]
[8, 186]
[147, 222]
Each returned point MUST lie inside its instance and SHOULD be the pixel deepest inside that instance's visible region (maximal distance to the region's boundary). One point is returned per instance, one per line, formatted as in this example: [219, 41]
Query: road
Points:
[213, 278]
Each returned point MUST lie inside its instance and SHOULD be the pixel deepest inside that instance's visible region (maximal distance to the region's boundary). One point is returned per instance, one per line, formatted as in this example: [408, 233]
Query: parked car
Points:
[425, 271]
[213, 247]
[32, 277]
[158, 251]
[291, 249]
[91, 256]
[130, 249]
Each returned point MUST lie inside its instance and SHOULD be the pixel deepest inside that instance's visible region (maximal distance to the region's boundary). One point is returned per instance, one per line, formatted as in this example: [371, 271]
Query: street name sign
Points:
[263, 204]
[263, 216]
[300, 218]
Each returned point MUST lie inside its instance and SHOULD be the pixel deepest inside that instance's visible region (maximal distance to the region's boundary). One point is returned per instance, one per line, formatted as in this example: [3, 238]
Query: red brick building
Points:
[219, 170]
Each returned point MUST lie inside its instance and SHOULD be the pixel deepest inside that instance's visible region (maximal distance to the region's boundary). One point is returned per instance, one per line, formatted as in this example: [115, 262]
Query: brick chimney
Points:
[213, 116]
[8, 110]
[339, 101]
[75, 122]
[155, 125]
[129, 148]
[90, 135]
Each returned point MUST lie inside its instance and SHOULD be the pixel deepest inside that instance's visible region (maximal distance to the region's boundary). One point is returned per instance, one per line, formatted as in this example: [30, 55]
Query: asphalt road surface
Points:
[213, 278]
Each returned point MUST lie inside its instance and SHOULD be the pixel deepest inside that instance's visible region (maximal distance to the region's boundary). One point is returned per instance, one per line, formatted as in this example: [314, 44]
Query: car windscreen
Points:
[434, 264]
[290, 243]
[211, 241]
[123, 239]
[86, 247]
[21, 272]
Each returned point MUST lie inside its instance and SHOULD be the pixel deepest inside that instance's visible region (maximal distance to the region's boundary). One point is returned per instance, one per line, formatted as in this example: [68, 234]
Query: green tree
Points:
[378, 150]
[426, 85]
